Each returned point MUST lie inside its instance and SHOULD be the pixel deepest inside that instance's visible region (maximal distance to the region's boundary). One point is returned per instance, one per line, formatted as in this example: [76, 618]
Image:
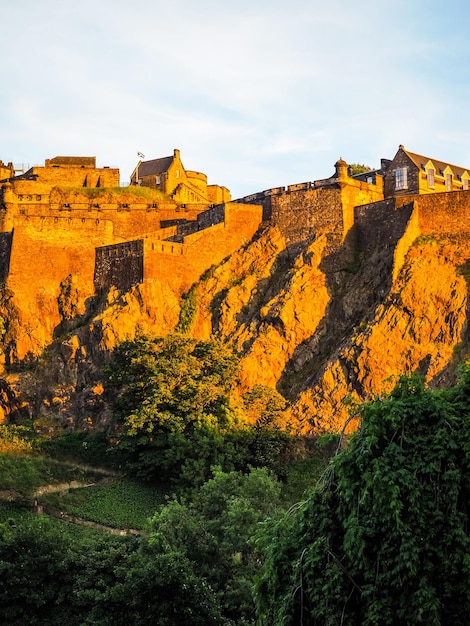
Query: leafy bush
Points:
[82, 447]
[15, 439]
[121, 504]
[386, 538]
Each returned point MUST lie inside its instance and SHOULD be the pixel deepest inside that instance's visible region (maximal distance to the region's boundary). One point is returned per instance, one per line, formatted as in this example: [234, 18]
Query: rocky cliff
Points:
[327, 324]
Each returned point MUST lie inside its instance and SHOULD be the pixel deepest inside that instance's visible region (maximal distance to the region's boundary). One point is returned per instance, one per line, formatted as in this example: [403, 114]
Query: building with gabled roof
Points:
[409, 173]
[169, 175]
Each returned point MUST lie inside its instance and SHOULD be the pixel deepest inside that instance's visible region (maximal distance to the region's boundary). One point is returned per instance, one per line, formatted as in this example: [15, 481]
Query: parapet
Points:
[71, 161]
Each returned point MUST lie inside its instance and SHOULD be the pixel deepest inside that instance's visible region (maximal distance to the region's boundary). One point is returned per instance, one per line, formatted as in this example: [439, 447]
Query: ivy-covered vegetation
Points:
[241, 523]
[385, 539]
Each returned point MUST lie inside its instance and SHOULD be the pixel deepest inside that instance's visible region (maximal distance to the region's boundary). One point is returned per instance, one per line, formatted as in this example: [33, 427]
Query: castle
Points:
[68, 226]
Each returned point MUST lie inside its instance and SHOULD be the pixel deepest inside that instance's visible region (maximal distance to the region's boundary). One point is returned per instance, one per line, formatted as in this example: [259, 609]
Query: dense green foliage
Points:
[24, 474]
[47, 579]
[179, 416]
[385, 540]
[123, 503]
[194, 564]
[381, 540]
[213, 531]
[359, 168]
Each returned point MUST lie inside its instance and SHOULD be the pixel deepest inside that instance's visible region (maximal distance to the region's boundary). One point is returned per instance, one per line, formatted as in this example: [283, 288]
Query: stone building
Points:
[64, 171]
[409, 173]
[169, 175]
[6, 171]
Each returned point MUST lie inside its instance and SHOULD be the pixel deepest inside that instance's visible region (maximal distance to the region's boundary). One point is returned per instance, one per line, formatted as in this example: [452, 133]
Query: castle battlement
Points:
[59, 221]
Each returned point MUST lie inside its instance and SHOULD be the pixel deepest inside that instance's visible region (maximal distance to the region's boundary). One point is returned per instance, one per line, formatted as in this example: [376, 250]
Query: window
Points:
[401, 178]
[448, 182]
[158, 180]
[465, 184]
[430, 174]
[177, 173]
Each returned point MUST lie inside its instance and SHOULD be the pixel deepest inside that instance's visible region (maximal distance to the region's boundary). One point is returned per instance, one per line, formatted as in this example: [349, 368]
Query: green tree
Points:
[51, 580]
[173, 401]
[385, 540]
[213, 534]
[359, 168]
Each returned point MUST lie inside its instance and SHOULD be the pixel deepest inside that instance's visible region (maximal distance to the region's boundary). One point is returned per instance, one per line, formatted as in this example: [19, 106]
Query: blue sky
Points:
[255, 93]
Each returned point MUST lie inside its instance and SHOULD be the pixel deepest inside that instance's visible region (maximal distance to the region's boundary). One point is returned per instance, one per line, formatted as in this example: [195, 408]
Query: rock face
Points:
[325, 321]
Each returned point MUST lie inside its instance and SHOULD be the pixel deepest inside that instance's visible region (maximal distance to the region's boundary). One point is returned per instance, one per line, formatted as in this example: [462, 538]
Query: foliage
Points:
[359, 168]
[24, 474]
[15, 439]
[385, 539]
[213, 533]
[173, 400]
[265, 406]
[122, 504]
[188, 310]
[47, 579]
[83, 447]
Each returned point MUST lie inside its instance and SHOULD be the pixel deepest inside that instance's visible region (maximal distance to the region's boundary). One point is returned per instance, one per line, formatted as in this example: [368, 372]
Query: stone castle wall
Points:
[181, 264]
[444, 213]
[5, 254]
[121, 265]
[398, 222]
[323, 206]
[44, 252]
[66, 175]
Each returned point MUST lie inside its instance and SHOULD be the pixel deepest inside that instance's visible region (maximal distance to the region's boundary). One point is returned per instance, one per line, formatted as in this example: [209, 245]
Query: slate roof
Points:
[155, 166]
[420, 161]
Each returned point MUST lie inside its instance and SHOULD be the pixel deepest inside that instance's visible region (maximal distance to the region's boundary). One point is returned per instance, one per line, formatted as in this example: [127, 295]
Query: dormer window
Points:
[430, 174]
[401, 178]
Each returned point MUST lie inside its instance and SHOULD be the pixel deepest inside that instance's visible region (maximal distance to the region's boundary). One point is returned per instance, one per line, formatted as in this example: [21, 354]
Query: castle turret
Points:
[341, 170]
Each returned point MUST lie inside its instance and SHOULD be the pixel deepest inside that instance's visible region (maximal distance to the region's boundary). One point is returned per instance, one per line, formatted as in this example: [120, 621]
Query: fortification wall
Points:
[45, 251]
[181, 264]
[355, 193]
[444, 213]
[121, 265]
[217, 194]
[5, 254]
[306, 212]
[76, 176]
[130, 215]
[381, 223]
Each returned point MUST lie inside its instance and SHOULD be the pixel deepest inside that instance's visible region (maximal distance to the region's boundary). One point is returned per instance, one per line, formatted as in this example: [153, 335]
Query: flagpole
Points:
[141, 156]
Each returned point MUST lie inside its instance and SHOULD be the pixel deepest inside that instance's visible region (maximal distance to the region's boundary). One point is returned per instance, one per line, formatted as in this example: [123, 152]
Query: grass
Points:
[153, 195]
[25, 474]
[121, 504]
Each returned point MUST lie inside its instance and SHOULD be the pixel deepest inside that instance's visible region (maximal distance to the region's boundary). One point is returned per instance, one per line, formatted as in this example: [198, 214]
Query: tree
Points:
[385, 540]
[213, 535]
[173, 399]
[359, 168]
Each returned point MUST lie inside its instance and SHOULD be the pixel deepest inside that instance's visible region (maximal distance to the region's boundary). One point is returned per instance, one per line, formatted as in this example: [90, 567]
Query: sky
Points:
[254, 93]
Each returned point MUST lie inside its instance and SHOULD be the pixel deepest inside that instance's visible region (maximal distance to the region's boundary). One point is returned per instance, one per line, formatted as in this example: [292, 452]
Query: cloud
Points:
[256, 94]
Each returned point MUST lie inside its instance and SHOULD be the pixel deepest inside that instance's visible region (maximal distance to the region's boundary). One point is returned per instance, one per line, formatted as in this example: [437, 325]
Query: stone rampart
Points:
[44, 252]
[381, 223]
[121, 265]
[181, 264]
[68, 175]
[444, 213]
[5, 253]
[303, 213]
